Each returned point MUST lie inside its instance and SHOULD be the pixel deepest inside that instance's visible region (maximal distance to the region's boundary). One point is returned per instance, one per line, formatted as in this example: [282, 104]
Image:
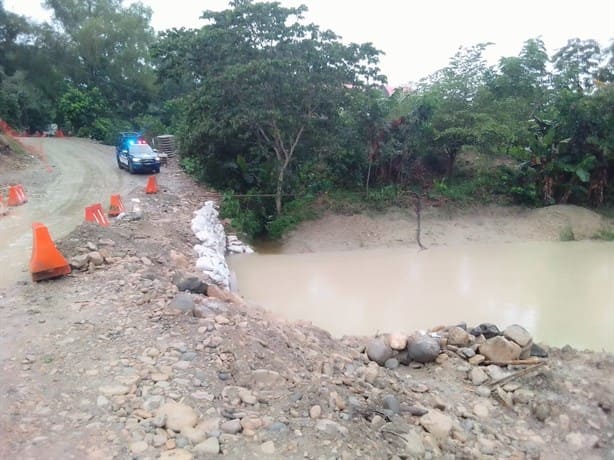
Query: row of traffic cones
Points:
[47, 261]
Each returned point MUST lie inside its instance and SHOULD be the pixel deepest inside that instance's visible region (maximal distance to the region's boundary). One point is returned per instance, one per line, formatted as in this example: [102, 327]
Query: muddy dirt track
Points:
[113, 362]
[70, 174]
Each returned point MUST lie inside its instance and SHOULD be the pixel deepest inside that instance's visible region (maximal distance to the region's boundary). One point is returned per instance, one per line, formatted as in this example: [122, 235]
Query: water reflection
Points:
[562, 292]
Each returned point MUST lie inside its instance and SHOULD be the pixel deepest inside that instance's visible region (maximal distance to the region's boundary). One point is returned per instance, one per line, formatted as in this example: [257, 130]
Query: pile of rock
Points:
[482, 344]
[92, 255]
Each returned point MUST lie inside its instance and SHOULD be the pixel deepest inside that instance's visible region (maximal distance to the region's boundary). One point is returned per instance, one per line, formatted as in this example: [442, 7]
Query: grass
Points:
[13, 145]
[604, 234]
[566, 234]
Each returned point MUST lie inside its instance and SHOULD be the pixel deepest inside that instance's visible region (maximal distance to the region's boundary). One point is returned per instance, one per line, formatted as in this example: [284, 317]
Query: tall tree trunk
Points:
[368, 176]
[450, 164]
[280, 187]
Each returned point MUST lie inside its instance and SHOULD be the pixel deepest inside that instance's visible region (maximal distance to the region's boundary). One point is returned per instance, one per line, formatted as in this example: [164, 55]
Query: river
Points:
[562, 292]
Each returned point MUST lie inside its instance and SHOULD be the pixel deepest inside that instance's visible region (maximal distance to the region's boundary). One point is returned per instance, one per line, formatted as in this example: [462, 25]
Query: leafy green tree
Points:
[80, 108]
[267, 84]
[106, 46]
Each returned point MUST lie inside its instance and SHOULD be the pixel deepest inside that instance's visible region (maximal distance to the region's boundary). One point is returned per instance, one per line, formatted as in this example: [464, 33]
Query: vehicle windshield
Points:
[141, 149]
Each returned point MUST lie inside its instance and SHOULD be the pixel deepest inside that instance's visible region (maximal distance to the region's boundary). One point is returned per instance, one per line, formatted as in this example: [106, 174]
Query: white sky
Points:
[418, 37]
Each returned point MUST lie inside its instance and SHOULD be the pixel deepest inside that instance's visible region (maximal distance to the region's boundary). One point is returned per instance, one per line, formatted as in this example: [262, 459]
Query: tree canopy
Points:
[267, 104]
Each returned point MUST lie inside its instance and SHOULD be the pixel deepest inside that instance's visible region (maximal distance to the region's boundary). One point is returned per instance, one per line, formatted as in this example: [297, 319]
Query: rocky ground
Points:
[114, 362]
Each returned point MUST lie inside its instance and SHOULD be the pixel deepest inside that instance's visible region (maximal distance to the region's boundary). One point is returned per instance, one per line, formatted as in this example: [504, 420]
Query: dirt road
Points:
[72, 174]
[113, 362]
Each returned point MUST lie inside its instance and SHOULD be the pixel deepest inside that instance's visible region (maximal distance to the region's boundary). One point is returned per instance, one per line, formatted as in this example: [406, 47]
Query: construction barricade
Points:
[17, 196]
[94, 213]
[46, 261]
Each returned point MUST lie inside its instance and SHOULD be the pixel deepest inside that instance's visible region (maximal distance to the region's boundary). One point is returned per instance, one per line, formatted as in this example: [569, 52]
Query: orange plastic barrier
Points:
[17, 196]
[152, 185]
[46, 261]
[94, 213]
[116, 207]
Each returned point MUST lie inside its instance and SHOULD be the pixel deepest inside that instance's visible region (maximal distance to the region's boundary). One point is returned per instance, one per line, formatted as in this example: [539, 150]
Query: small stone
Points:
[194, 435]
[499, 350]
[178, 416]
[581, 442]
[413, 444]
[477, 376]
[418, 387]
[523, 396]
[101, 401]
[483, 391]
[138, 447]
[495, 372]
[391, 403]
[417, 411]
[466, 352]
[477, 360]
[221, 319]
[95, 258]
[371, 372]
[538, 351]
[209, 446]
[247, 396]
[251, 423]
[182, 302]
[541, 410]
[481, 410]
[391, 363]
[331, 427]
[268, 447]
[424, 349]
[488, 330]
[231, 426]
[397, 341]
[264, 378]
[114, 390]
[437, 423]
[518, 334]
[315, 411]
[159, 377]
[175, 454]
[379, 351]
[79, 261]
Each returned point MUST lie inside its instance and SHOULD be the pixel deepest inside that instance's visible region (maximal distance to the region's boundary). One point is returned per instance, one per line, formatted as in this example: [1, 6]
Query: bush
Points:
[566, 234]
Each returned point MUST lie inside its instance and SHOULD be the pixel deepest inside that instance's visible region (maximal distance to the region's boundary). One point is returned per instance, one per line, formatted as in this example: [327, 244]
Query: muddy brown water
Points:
[563, 293]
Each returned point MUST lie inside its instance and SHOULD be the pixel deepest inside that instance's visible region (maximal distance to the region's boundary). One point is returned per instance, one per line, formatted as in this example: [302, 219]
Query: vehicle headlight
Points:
[157, 158]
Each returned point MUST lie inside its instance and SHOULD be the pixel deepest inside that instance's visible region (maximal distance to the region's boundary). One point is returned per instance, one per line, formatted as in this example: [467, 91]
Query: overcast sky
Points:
[418, 37]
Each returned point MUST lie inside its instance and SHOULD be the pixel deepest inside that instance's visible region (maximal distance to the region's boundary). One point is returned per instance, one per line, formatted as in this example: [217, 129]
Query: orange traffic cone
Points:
[116, 207]
[46, 262]
[152, 185]
[16, 196]
[94, 213]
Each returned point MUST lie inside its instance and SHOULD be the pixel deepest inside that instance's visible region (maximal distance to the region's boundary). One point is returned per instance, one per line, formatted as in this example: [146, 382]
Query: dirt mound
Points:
[441, 226]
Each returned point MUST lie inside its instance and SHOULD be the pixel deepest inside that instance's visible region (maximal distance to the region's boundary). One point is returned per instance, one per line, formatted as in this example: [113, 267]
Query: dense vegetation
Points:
[283, 113]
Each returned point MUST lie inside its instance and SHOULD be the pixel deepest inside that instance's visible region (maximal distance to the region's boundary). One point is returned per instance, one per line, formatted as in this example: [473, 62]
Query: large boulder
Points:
[379, 350]
[189, 283]
[424, 349]
[499, 350]
[459, 337]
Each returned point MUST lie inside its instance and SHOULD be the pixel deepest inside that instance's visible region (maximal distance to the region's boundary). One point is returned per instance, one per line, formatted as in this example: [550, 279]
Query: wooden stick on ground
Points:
[517, 374]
